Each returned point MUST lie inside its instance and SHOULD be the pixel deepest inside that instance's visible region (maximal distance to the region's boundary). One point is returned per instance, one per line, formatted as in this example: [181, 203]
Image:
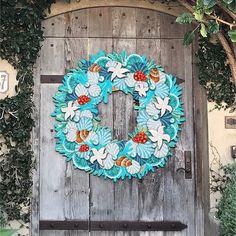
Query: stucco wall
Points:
[220, 141]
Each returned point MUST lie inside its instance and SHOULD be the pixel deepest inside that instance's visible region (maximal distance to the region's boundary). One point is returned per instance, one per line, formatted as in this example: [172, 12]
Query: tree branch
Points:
[230, 54]
[223, 41]
[225, 9]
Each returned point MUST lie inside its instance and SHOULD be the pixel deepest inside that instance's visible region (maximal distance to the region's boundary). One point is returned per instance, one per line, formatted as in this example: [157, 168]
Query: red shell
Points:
[141, 137]
[84, 148]
[83, 99]
[140, 76]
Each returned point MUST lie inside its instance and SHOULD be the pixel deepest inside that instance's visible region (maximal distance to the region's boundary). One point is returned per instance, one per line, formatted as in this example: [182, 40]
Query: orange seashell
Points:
[128, 163]
[123, 161]
[81, 135]
[154, 75]
[95, 68]
[118, 161]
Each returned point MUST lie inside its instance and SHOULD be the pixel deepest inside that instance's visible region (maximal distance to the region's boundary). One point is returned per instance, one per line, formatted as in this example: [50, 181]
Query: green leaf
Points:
[232, 35]
[185, 18]
[228, 1]
[7, 232]
[189, 37]
[198, 15]
[232, 6]
[203, 31]
[212, 27]
[209, 3]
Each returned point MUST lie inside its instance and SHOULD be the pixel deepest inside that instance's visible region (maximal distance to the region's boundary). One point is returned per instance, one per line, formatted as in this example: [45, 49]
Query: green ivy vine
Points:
[21, 38]
[215, 74]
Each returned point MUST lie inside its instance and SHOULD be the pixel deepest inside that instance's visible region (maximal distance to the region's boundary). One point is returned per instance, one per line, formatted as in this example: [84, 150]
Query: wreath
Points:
[90, 146]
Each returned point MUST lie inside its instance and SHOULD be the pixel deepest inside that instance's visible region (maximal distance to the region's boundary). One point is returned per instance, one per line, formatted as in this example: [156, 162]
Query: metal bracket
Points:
[112, 225]
[188, 165]
[57, 79]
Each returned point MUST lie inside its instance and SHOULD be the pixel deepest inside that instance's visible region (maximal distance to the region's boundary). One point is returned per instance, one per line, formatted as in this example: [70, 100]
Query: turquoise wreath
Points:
[90, 146]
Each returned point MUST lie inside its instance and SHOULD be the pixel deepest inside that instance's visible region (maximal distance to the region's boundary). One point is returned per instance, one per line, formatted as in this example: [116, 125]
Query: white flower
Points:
[69, 110]
[98, 155]
[163, 105]
[116, 69]
[159, 135]
[140, 86]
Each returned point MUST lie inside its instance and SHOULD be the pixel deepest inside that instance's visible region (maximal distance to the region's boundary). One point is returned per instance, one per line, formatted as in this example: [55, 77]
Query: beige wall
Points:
[220, 140]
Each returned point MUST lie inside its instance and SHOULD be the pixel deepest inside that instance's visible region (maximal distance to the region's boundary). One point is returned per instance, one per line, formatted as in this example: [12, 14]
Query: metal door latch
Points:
[188, 165]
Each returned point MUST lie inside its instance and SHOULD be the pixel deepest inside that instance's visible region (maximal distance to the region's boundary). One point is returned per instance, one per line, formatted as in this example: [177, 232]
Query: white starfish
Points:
[117, 71]
[163, 105]
[159, 135]
[69, 110]
[98, 155]
[141, 88]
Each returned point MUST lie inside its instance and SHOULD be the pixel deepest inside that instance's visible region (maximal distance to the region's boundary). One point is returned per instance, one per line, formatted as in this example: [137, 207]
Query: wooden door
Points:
[69, 194]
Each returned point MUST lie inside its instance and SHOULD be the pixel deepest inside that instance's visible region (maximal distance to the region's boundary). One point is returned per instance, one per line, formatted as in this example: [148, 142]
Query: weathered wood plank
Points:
[151, 188]
[123, 22]
[52, 56]
[126, 192]
[178, 200]
[201, 153]
[75, 50]
[52, 164]
[52, 233]
[170, 29]
[77, 187]
[34, 227]
[148, 24]
[100, 24]
[102, 191]
[76, 24]
[55, 26]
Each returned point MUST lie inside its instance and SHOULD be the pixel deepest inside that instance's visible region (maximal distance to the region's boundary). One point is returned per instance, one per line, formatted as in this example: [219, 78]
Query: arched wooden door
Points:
[66, 195]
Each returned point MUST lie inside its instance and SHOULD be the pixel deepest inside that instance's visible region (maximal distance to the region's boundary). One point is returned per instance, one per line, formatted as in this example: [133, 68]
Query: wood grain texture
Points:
[148, 24]
[100, 24]
[52, 164]
[201, 153]
[123, 22]
[35, 207]
[55, 26]
[76, 24]
[102, 191]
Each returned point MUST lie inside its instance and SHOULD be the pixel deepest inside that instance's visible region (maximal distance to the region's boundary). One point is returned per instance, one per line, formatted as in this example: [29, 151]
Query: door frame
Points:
[199, 118]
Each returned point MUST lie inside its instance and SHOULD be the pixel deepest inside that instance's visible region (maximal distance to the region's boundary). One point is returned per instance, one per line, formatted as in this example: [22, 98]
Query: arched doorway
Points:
[170, 199]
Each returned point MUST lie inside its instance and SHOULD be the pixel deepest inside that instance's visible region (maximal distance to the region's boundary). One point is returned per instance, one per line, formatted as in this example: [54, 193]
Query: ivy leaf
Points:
[189, 37]
[212, 27]
[228, 1]
[209, 3]
[232, 6]
[185, 18]
[232, 35]
[203, 31]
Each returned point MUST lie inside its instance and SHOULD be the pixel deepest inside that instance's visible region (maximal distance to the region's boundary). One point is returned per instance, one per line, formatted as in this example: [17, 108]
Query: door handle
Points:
[188, 165]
